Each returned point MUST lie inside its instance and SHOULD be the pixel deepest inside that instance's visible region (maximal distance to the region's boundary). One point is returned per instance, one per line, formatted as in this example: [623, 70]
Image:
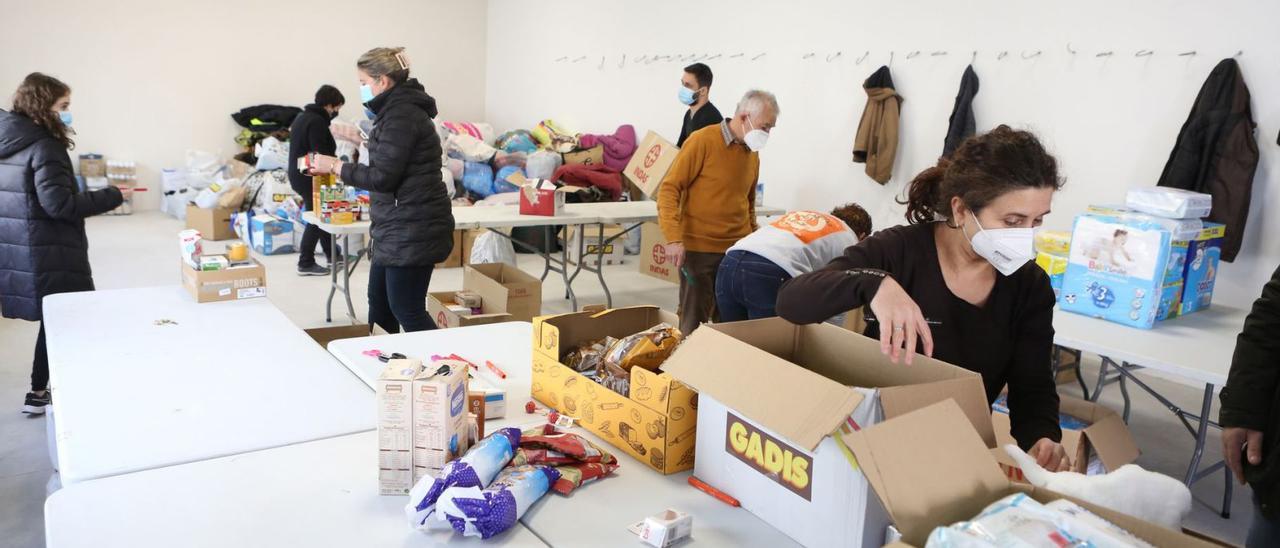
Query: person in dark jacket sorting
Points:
[409, 204]
[960, 279]
[695, 92]
[1250, 414]
[310, 133]
[43, 246]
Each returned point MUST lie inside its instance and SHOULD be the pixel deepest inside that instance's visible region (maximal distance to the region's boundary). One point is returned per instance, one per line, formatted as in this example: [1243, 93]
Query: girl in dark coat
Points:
[409, 203]
[43, 246]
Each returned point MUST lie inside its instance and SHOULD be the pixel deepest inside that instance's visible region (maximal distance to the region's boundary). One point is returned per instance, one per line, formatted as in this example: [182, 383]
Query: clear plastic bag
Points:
[492, 248]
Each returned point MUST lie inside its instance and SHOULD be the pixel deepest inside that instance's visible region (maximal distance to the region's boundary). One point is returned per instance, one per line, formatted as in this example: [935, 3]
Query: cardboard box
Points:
[923, 487]
[1105, 434]
[664, 529]
[590, 156]
[1116, 271]
[1201, 268]
[769, 401]
[505, 288]
[325, 335]
[214, 224]
[656, 424]
[394, 389]
[650, 163]
[439, 307]
[455, 257]
[493, 400]
[587, 242]
[653, 255]
[439, 416]
[235, 283]
[271, 236]
[92, 165]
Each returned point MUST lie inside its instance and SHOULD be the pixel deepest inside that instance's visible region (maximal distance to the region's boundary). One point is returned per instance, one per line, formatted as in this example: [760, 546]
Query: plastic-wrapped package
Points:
[510, 159]
[479, 130]
[542, 164]
[577, 459]
[487, 512]
[456, 167]
[588, 356]
[647, 349]
[477, 178]
[1173, 203]
[272, 153]
[1180, 229]
[1018, 520]
[492, 248]
[1053, 242]
[518, 140]
[554, 137]
[471, 149]
[475, 469]
[500, 182]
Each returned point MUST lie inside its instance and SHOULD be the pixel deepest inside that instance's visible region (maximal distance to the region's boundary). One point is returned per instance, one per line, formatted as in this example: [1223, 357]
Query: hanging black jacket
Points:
[1216, 152]
[43, 246]
[270, 117]
[1251, 398]
[309, 133]
[409, 204]
[962, 125]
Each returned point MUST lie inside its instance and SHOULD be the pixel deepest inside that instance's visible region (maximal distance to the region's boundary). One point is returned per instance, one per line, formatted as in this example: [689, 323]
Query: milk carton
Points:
[439, 416]
[395, 426]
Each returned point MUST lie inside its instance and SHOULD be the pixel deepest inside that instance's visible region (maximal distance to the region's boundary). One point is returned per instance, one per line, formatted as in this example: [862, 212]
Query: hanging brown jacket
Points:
[1216, 152]
[876, 143]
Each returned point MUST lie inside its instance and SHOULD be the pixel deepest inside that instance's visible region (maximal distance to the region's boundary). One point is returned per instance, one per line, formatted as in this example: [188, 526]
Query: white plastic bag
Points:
[492, 248]
[208, 198]
[201, 168]
[174, 203]
[173, 179]
[472, 149]
[272, 153]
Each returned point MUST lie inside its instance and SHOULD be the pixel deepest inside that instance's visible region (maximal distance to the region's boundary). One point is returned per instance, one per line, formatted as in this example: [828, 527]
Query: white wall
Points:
[153, 78]
[1111, 121]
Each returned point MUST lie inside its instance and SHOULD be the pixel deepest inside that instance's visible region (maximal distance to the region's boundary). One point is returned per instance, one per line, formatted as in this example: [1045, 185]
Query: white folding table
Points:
[146, 378]
[316, 494]
[340, 261]
[1194, 350]
[599, 513]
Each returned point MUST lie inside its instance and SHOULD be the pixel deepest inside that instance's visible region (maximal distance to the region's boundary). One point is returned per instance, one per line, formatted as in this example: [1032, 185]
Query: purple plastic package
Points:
[487, 513]
[476, 469]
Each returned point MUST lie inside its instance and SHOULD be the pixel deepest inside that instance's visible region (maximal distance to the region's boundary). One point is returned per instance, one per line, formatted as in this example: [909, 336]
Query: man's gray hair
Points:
[755, 101]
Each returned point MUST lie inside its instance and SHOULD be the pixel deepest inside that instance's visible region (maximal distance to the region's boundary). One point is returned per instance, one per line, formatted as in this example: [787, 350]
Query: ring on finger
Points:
[898, 328]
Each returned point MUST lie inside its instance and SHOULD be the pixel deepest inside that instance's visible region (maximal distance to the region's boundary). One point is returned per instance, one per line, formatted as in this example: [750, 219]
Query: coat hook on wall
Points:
[623, 62]
[937, 54]
[808, 55]
[1002, 55]
[562, 59]
[582, 58]
[1071, 51]
[601, 67]
[1191, 53]
[1033, 55]
[737, 55]
[756, 58]
[1144, 53]
[891, 58]
[913, 54]
[1105, 54]
[831, 58]
[863, 58]
[713, 57]
[1238, 53]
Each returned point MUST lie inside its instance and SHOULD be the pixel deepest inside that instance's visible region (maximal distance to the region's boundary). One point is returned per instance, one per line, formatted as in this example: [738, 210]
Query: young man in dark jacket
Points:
[310, 133]
[1250, 415]
[695, 92]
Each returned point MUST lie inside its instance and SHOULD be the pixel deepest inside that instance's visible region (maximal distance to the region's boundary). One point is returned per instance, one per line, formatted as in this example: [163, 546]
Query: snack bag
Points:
[475, 469]
[588, 356]
[647, 349]
[488, 512]
[573, 446]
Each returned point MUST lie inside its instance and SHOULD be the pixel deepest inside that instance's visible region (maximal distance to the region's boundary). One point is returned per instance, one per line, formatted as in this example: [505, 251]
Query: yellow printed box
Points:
[656, 425]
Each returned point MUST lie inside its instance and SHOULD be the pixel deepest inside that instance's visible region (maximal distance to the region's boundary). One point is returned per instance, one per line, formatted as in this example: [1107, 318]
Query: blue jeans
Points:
[398, 298]
[747, 286]
[1262, 532]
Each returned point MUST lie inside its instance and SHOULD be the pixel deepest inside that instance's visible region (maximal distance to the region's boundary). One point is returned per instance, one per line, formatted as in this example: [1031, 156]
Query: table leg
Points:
[1226, 495]
[568, 282]
[334, 262]
[546, 257]
[346, 276]
[1124, 392]
[1202, 433]
[608, 297]
[1084, 389]
[1102, 380]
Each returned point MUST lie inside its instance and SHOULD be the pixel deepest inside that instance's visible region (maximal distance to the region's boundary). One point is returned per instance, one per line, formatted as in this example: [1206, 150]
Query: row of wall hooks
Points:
[1001, 55]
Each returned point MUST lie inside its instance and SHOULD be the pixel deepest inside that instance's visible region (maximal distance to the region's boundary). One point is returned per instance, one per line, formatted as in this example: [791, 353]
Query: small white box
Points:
[395, 426]
[495, 399]
[665, 529]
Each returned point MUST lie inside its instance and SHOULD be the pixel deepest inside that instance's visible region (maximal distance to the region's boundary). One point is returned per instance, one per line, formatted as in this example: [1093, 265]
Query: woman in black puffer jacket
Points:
[412, 216]
[43, 246]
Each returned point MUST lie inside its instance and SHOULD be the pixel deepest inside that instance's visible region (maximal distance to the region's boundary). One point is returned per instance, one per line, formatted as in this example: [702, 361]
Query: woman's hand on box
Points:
[1050, 455]
[901, 322]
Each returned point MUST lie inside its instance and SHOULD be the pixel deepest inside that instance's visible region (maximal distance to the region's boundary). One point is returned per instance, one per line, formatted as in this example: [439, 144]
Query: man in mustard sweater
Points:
[707, 200]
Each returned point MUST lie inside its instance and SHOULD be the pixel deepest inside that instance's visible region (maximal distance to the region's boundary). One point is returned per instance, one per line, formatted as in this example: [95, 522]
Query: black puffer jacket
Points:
[43, 246]
[412, 215]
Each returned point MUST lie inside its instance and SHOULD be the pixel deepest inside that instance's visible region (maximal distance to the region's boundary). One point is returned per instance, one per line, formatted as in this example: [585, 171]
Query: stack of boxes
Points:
[422, 420]
[1150, 260]
[336, 203]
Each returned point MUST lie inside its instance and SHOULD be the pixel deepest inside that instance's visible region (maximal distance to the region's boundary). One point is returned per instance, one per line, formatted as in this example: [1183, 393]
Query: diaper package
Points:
[1200, 270]
[1173, 203]
[475, 469]
[1053, 242]
[1056, 267]
[1116, 271]
[487, 512]
[1019, 520]
[1179, 229]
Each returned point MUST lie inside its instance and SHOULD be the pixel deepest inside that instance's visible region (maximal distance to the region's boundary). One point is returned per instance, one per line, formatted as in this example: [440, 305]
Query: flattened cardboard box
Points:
[765, 438]
[506, 289]
[924, 487]
[437, 307]
[1106, 434]
[656, 424]
[225, 285]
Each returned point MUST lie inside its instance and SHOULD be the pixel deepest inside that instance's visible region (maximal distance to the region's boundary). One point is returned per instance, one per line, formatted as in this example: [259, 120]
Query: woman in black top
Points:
[409, 204]
[959, 278]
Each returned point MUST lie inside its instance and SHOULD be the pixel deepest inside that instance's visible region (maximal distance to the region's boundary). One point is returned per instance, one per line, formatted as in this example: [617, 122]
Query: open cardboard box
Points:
[1106, 434]
[438, 307]
[930, 469]
[771, 394]
[239, 282]
[325, 335]
[505, 288]
[656, 424]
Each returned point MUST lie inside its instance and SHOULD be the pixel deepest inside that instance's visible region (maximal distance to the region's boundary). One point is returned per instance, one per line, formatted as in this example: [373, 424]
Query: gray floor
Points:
[140, 251]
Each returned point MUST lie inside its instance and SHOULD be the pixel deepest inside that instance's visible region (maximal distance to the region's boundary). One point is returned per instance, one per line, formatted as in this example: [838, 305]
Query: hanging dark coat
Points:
[876, 143]
[962, 125]
[1216, 152]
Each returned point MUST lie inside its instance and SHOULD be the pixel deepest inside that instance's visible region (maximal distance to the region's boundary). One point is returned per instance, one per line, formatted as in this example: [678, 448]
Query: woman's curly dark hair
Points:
[35, 99]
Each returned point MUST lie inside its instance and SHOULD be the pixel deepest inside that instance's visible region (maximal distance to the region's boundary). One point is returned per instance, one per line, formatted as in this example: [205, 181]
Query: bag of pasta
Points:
[647, 349]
